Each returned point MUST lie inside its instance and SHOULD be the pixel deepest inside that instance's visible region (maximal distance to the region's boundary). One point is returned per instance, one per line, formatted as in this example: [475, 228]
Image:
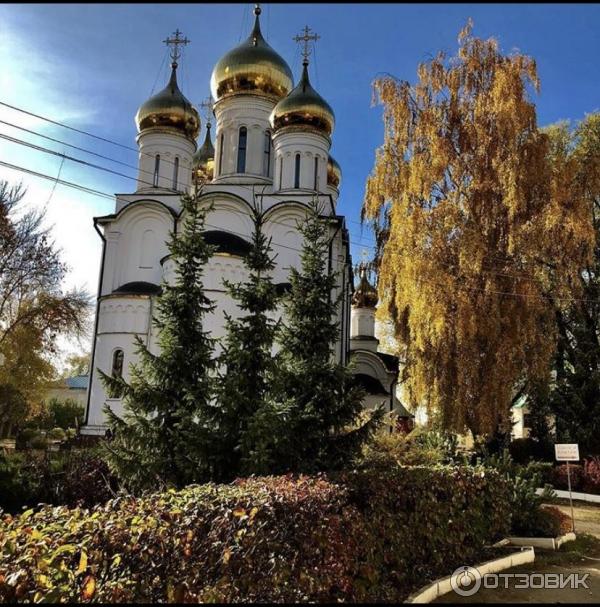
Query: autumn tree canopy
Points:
[34, 309]
[477, 228]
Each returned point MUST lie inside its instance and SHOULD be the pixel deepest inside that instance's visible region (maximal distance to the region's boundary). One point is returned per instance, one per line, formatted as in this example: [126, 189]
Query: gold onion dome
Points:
[334, 172]
[252, 68]
[365, 295]
[203, 161]
[304, 107]
[169, 108]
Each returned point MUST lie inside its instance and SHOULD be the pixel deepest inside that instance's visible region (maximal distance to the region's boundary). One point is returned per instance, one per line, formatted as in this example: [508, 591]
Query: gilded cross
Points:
[207, 106]
[174, 44]
[306, 38]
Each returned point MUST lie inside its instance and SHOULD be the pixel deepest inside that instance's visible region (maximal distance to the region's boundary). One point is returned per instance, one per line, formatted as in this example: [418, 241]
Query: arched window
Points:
[118, 358]
[280, 171]
[175, 172]
[267, 150]
[241, 159]
[156, 168]
[221, 156]
[316, 172]
[297, 172]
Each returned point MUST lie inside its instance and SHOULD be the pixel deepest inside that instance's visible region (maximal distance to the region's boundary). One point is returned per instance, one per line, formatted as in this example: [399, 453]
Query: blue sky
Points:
[91, 66]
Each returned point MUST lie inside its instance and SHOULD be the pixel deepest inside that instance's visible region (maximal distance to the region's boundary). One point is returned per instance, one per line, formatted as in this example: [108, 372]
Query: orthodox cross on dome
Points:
[174, 44]
[207, 106]
[306, 38]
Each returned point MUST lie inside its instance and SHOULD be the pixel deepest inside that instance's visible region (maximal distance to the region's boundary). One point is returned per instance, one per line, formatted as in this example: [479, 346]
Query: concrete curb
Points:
[443, 585]
[544, 543]
[580, 497]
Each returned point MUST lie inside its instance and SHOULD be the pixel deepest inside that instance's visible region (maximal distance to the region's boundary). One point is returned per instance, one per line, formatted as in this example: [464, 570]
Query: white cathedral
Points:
[271, 148]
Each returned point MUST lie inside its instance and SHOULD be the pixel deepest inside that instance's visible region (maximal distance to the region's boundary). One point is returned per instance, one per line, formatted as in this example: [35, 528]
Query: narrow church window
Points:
[316, 172]
[280, 171]
[221, 156]
[241, 159]
[117, 370]
[267, 153]
[175, 172]
[297, 172]
[156, 167]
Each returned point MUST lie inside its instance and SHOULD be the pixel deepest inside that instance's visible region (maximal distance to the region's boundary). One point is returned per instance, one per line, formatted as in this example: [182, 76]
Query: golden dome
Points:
[252, 68]
[365, 295]
[334, 173]
[169, 108]
[304, 107]
[203, 161]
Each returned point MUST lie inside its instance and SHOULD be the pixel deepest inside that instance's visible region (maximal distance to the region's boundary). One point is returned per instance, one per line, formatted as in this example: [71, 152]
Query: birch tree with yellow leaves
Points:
[478, 231]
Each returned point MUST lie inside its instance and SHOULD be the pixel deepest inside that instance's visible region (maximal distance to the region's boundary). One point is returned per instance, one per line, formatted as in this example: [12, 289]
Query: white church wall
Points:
[143, 233]
[119, 319]
[228, 214]
[232, 114]
[287, 146]
[281, 225]
[174, 163]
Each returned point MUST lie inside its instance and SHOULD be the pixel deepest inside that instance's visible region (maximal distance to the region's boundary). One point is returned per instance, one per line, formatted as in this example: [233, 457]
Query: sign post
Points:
[568, 453]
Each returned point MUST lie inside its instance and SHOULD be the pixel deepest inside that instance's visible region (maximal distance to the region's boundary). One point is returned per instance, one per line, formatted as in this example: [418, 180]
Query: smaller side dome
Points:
[203, 161]
[334, 172]
[304, 108]
[365, 295]
[169, 108]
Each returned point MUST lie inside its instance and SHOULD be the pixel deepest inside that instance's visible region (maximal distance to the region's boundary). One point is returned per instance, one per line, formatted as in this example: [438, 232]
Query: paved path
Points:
[587, 520]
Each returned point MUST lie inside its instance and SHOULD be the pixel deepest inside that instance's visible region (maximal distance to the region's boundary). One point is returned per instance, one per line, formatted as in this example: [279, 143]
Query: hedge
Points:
[359, 536]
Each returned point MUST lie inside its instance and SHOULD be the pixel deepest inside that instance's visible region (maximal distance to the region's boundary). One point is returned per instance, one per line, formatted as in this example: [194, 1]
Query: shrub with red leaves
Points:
[591, 476]
[361, 536]
[560, 480]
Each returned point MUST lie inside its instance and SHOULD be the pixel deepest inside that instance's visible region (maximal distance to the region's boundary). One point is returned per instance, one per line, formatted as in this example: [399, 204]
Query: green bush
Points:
[57, 434]
[421, 447]
[78, 477]
[525, 503]
[359, 536]
[551, 522]
[39, 441]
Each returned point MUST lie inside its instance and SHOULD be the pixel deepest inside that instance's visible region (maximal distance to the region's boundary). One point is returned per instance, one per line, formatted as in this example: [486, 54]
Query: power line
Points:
[65, 156]
[60, 181]
[62, 161]
[66, 126]
[75, 147]
[464, 228]
[360, 243]
[95, 166]
[110, 197]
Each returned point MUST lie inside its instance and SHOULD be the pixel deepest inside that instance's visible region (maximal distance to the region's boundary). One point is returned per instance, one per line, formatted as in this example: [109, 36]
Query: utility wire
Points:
[62, 161]
[66, 126]
[472, 230]
[99, 167]
[110, 197]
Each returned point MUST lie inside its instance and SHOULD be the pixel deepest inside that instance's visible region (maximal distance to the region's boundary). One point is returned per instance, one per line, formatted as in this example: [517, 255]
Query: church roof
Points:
[365, 295]
[169, 108]
[138, 288]
[253, 68]
[78, 382]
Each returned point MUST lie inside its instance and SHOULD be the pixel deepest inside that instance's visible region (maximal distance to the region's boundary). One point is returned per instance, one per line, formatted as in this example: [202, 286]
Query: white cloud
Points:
[38, 81]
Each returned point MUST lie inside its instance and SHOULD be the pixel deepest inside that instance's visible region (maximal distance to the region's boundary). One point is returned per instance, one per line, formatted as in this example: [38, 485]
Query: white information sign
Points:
[567, 452]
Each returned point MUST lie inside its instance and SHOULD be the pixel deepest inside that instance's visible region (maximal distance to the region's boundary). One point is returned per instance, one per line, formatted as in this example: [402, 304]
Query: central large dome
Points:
[252, 68]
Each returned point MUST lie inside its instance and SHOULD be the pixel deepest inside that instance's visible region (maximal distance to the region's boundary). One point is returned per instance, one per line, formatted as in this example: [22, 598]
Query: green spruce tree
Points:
[320, 402]
[247, 367]
[164, 436]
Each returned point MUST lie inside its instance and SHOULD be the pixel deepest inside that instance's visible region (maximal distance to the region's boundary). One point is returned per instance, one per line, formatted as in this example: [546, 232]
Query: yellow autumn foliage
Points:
[481, 226]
